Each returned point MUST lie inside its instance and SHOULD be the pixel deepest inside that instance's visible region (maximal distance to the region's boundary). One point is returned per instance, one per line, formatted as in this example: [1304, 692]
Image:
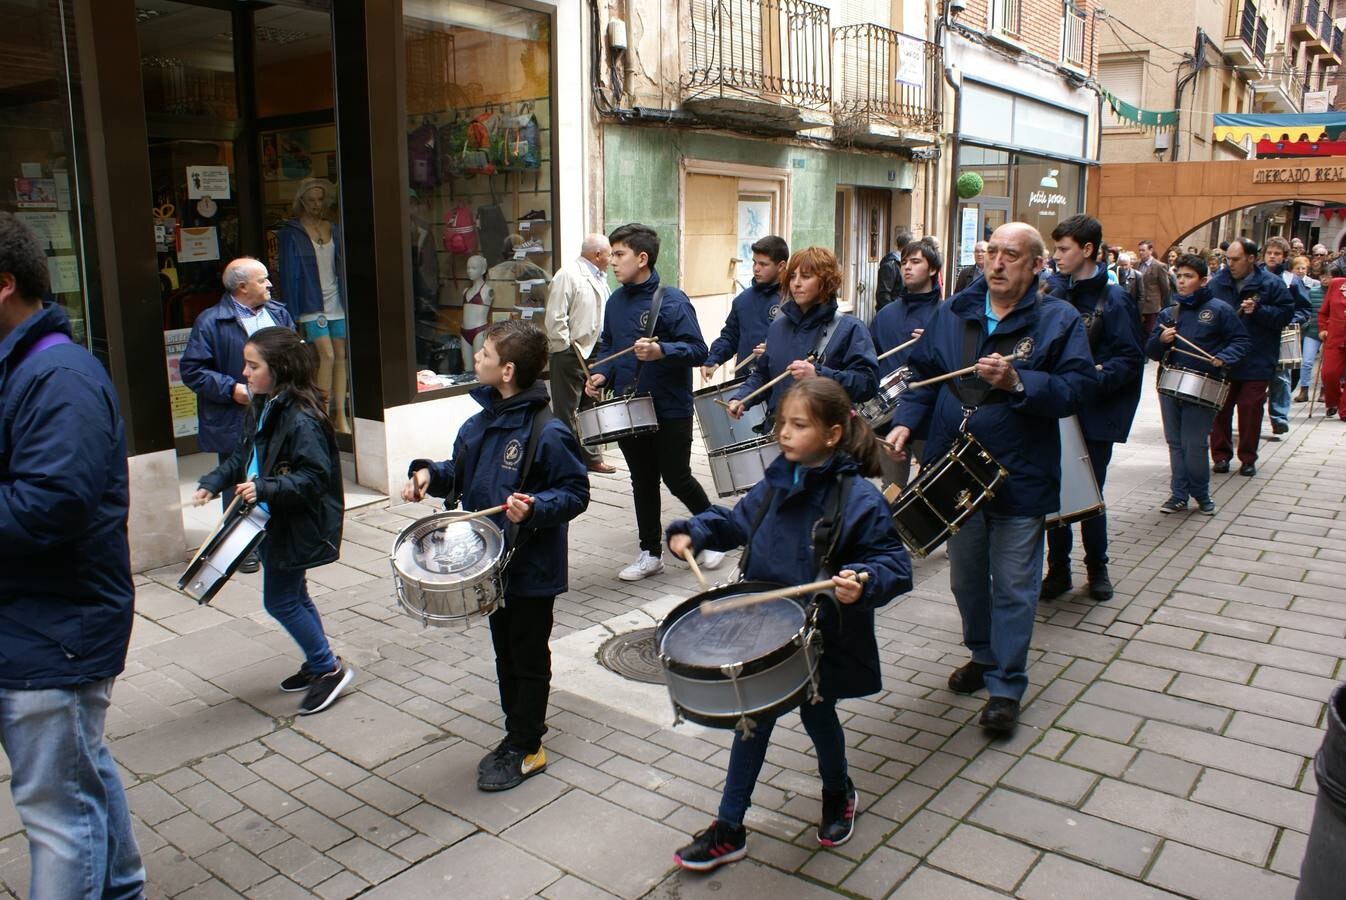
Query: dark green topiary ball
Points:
[970, 185]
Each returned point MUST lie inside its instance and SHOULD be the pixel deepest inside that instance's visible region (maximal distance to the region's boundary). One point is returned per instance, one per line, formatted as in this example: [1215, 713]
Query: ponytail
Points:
[859, 440]
[829, 406]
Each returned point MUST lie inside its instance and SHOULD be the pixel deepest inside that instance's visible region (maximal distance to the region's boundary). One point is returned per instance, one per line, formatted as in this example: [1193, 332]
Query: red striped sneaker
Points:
[717, 845]
[838, 816]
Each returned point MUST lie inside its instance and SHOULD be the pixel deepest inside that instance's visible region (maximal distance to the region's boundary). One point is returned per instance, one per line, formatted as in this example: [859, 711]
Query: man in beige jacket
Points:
[575, 303]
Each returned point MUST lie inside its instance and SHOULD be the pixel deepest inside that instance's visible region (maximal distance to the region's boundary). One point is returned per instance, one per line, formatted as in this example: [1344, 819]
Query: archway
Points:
[1165, 201]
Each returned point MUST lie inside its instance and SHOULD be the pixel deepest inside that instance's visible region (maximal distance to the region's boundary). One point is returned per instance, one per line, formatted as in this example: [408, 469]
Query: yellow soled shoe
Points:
[508, 767]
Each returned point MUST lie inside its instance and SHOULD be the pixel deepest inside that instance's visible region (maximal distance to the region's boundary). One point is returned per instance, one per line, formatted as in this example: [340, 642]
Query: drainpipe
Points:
[955, 144]
[1198, 58]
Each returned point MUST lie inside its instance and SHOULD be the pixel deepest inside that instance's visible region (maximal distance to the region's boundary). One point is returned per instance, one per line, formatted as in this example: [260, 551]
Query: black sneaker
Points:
[1206, 506]
[969, 678]
[1056, 583]
[1173, 505]
[712, 848]
[251, 563]
[325, 689]
[838, 816]
[299, 681]
[1330, 411]
[1221, 467]
[508, 767]
[488, 759]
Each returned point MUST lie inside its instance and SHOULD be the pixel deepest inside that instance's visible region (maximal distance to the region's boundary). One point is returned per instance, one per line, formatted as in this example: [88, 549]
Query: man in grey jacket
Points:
[574, 317]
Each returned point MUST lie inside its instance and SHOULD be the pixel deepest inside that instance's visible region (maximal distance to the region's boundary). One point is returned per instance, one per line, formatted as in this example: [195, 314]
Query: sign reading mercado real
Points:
[1299, 174]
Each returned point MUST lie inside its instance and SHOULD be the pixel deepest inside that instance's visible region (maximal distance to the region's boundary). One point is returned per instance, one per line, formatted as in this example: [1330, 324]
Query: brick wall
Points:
[1040, 27]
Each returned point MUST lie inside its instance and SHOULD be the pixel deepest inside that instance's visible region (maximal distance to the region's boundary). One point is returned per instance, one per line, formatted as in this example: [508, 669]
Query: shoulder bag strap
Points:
[756, 524]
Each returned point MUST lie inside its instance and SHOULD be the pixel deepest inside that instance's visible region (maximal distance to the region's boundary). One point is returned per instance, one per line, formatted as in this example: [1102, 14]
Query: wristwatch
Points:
[1018, 386]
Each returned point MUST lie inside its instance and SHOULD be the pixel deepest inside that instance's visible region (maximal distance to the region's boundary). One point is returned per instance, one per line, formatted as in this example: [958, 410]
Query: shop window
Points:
[293, 51]
[991, 165]
[1045, 192]
[41, 159]
[187, 62]
[479, 106]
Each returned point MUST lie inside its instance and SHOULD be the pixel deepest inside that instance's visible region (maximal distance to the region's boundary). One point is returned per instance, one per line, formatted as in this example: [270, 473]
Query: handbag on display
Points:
[460, 231]
[423, 163]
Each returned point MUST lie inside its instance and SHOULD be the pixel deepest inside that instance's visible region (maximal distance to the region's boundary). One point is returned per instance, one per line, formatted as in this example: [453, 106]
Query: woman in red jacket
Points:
[1332, 332]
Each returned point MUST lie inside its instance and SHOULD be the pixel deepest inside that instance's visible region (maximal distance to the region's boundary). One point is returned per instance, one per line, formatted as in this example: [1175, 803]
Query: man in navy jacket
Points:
[660, 366]
[753, 309]
[1117, 347]
[1263, 302]
[66, 596]
[996, 556]
[212, 363]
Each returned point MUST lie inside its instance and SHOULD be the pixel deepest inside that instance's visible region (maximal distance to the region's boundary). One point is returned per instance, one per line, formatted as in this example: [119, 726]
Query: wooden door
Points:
[868, 245]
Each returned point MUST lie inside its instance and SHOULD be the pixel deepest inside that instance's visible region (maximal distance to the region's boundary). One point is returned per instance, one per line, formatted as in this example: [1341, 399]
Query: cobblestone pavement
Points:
[1165, 748]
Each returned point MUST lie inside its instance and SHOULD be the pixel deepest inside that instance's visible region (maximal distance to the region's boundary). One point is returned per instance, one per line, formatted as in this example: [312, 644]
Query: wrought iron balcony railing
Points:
[773, 50]
[883, 76]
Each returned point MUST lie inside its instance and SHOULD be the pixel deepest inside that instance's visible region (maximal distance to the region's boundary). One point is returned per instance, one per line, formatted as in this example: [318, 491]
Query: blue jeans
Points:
[1311, 347]
[746, 757]
[1278, 397]
[68, 794]
[285, 597]
[1093, 530]
[1187, 431]
[995, 570]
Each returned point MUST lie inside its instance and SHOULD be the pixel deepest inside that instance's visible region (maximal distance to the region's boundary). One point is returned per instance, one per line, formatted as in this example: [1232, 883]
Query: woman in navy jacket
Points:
[1213, 326]
[823, 446]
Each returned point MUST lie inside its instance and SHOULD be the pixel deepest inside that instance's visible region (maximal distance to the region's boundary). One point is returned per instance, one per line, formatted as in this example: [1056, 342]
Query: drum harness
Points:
[972, 390]
[655, 302]
[815, 356]
[541, 416]
[1220, 374]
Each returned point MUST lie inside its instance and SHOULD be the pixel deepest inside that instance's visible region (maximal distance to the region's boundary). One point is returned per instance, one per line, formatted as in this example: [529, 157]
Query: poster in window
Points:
[180, 397]
[967, 237]
[198, 245]
[208, 181]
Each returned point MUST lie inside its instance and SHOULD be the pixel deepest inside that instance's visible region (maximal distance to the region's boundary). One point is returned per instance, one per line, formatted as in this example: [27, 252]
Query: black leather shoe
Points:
[1221, 468]
[1331, 411]
[969, 678]
[1248, 470]
[1280, 427]
[250, 564]
[1056, 583]
[1100, 585]
[1000, 715]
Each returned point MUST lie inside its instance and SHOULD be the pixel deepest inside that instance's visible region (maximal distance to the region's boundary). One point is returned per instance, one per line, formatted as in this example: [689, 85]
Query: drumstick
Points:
[967, 370]
[743, 362]
[1193, 346]
[584, 366]
[688, 555]
[766, 387]
[608, 359]
[899, 348]
[813, 587]
[481, 513]
[722, 403]
[1205, 359]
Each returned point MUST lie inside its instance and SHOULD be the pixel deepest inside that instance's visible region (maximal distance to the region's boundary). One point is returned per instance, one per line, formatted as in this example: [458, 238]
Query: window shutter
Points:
[1124, 79]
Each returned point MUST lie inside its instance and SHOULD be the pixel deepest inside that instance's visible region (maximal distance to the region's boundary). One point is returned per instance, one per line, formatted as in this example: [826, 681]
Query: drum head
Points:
[441, 550]
[691, 641]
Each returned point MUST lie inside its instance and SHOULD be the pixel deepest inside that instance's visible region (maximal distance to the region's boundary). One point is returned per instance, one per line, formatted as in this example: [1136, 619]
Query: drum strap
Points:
[1095, 325]
[655, 302]
[972, 390]
[541, 417]
[756, 525]
[825, 335]
[827, 533]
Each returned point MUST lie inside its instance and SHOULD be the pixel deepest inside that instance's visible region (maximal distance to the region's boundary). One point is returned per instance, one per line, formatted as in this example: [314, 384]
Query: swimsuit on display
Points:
[476, 299]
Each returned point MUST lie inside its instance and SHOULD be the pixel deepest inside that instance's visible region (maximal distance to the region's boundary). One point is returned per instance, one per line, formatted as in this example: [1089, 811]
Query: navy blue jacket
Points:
[66, 596]
[1299, 295]
[749, 316]
[1021, 433]
[669, 380]
[848, 358]
[1274, 310]
[1210, 324]
[212, 364]
[782, 551]
[300, 287]
[1117, 345]
[485, 468]
[894, 323]
[302, 489]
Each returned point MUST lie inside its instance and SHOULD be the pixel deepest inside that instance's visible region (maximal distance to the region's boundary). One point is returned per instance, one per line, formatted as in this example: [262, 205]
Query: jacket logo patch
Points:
[1088, 320]
[772, 312]
[513, 452]
[281, 468]
[1206, 315]
[645, 320]
[1024, 348]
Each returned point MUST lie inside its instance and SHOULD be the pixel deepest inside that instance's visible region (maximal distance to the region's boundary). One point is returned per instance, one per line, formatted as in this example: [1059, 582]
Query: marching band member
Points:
[753, 310]
[996, 556]
[1116, 344]
[1275, 255]
[1213, 326]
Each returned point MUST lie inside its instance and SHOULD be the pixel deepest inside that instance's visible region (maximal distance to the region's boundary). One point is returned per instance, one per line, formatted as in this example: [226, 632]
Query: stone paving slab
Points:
[1165, 749]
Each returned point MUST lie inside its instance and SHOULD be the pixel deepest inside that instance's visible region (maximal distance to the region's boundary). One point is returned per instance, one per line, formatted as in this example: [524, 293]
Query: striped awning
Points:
[1279, 126]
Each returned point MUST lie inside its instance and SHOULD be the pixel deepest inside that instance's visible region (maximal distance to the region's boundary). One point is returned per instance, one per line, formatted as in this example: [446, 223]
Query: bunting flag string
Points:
[1149, 119]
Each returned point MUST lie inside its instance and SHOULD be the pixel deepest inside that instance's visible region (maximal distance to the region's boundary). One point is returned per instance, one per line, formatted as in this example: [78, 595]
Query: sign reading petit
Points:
[1299, 174]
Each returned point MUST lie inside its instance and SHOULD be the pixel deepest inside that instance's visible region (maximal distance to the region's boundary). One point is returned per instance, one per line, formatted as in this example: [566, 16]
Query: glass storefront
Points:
[41, 155]
[1019, 187]
[479, 147]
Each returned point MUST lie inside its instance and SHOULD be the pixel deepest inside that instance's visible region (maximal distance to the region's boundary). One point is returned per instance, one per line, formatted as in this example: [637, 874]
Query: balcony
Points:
[1072, 37]
[1334, 57]
[1311, 25]
[1245, 40]
[764, 64]
[886, 87]
[1279, 89]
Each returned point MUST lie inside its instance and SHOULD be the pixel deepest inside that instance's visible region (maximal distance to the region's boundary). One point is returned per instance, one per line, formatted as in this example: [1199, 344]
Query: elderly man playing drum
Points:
[1012, 409]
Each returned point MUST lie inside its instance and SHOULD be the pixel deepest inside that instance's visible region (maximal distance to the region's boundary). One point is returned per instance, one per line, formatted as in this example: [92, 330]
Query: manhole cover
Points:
[631, 655]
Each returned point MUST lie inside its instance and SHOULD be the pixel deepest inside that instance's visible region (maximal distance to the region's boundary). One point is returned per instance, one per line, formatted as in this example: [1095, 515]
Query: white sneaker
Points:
[646, 564]
[709, 559]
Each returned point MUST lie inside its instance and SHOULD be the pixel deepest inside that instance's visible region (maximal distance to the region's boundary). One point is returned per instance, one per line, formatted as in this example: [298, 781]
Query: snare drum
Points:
[1080, 496]
[448, 572]
[718, 429]
[622, 417]
[1292, 354]
[881, 407]
[225, 548]
[1193, 387]
[726, 669]
[736, 469]
[945, 493]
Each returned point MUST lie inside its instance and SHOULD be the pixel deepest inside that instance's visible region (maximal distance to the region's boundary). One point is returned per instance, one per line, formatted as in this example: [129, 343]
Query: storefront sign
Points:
[1042, 198]
[208, 181]
[180, 397]
[198, 245]
[910, 61]
[1299, 174]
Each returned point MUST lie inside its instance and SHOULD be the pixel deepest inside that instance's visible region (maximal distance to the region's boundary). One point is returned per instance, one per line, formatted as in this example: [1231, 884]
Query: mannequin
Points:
[310, 256]
[477, 300]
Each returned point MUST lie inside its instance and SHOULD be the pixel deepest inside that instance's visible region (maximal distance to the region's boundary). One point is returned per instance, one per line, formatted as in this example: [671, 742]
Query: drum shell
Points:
[1291, 353]
[719, 430]
[612, 420]
[770, 685]
[944, 494]
[736, 469]
[1080, 496]
[1192, 387]
[224, 553]
[880, 408]
[441, 601]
